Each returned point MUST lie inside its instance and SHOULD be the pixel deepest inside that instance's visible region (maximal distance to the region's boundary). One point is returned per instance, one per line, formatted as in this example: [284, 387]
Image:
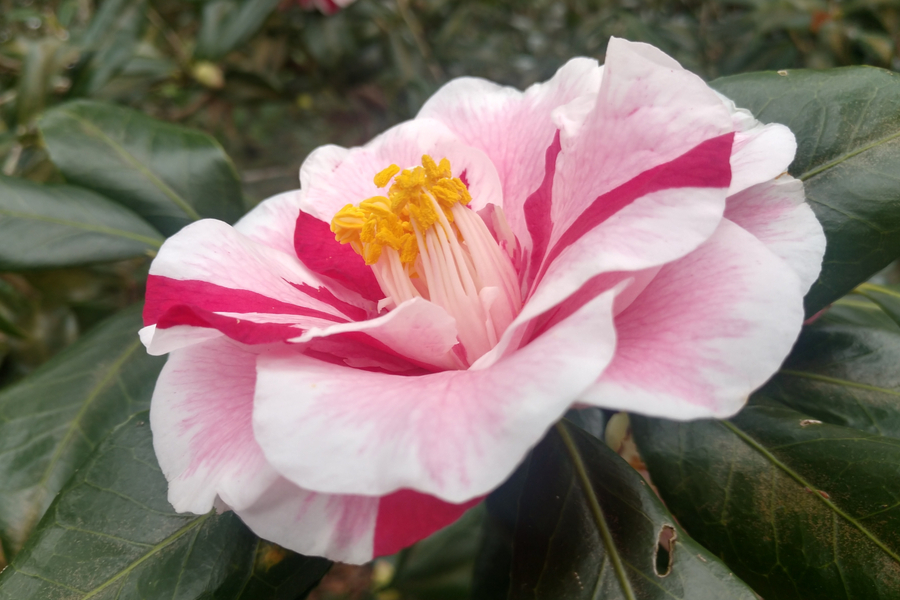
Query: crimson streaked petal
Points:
[454, 435]
[705, 332]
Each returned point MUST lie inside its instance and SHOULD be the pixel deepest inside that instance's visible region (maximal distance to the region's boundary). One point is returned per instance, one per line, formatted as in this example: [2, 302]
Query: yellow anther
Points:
[385, 175]
[415, 201]
[410, 249]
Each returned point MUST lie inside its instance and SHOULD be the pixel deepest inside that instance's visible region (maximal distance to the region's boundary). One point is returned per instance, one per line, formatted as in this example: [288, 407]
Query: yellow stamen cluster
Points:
[411, 203]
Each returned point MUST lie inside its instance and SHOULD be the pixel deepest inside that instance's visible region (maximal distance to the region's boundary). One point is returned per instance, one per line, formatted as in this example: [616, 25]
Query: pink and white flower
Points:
[618, 236]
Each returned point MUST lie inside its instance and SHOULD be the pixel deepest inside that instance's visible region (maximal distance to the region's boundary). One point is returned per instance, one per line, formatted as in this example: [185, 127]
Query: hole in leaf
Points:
[665, 550]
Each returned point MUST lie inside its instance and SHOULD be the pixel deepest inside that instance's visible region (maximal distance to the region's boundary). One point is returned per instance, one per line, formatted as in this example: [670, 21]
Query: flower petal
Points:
[649, 111]
[271, 222]
[417, 330]
[332, 177]
[455, 435]
[653, 230]
[352, 529]
[513, 128]
[640, 180]
[707, 330]
[777, 214]
[761, 152]
[316, 247]
[406, 516]
[201, 417]
[210, 276]
[341, 527]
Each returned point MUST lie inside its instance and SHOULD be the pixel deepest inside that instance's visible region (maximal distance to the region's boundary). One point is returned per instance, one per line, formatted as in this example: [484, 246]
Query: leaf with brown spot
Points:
[588, 526]
[799, 512]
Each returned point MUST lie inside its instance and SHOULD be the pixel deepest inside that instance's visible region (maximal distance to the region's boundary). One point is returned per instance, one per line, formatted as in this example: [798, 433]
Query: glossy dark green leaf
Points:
[111, 534]
[278, 574]
[227, 24]
[589, 527]
[52, 420]
[848, 156]
[63, 225]
[885, 296]
[844, 375]
[167, 174]
[440, 566]
[854, 309]
[801, 510]
[491, 577]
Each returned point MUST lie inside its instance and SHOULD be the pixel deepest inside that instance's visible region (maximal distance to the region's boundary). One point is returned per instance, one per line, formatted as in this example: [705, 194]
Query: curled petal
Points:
[417, 330]
[352, 529]
[209, 276]
[332, 177]
[649, 111]
[705, 332]
[640, 178]
[777, 214]
[761, 152]
[201, 419]
[454, 435]
[513, 128]
[269, 223]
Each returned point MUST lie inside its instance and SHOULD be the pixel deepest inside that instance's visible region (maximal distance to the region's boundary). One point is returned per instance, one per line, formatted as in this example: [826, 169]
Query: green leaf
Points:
[42, 61]
[111, 534]
[848, 156]
[885, 296]
[589, 527]
[227, 24]
[52, 420]
[440, 566]
[854, 309]
[62, 225]
[844, 375]
[109, 43]
[800, 510]
[491, 577]
[168, 174]
[11, 301]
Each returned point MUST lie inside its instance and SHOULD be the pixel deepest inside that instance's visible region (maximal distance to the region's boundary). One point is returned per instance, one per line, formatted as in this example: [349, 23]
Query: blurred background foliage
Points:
[271, 81]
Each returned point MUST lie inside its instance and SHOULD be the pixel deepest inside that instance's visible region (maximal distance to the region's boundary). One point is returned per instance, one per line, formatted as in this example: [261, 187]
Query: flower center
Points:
[422, 240]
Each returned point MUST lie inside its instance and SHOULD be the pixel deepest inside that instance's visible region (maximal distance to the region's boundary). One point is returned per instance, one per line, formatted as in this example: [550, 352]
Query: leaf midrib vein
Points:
[597, 512]
[833, 163]
[95, 392]
[155, 549]
[799, 479]
[84, 226]
[135, 163]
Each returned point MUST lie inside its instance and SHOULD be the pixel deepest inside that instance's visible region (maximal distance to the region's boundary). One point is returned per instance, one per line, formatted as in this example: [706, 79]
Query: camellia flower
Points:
[354, 364]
